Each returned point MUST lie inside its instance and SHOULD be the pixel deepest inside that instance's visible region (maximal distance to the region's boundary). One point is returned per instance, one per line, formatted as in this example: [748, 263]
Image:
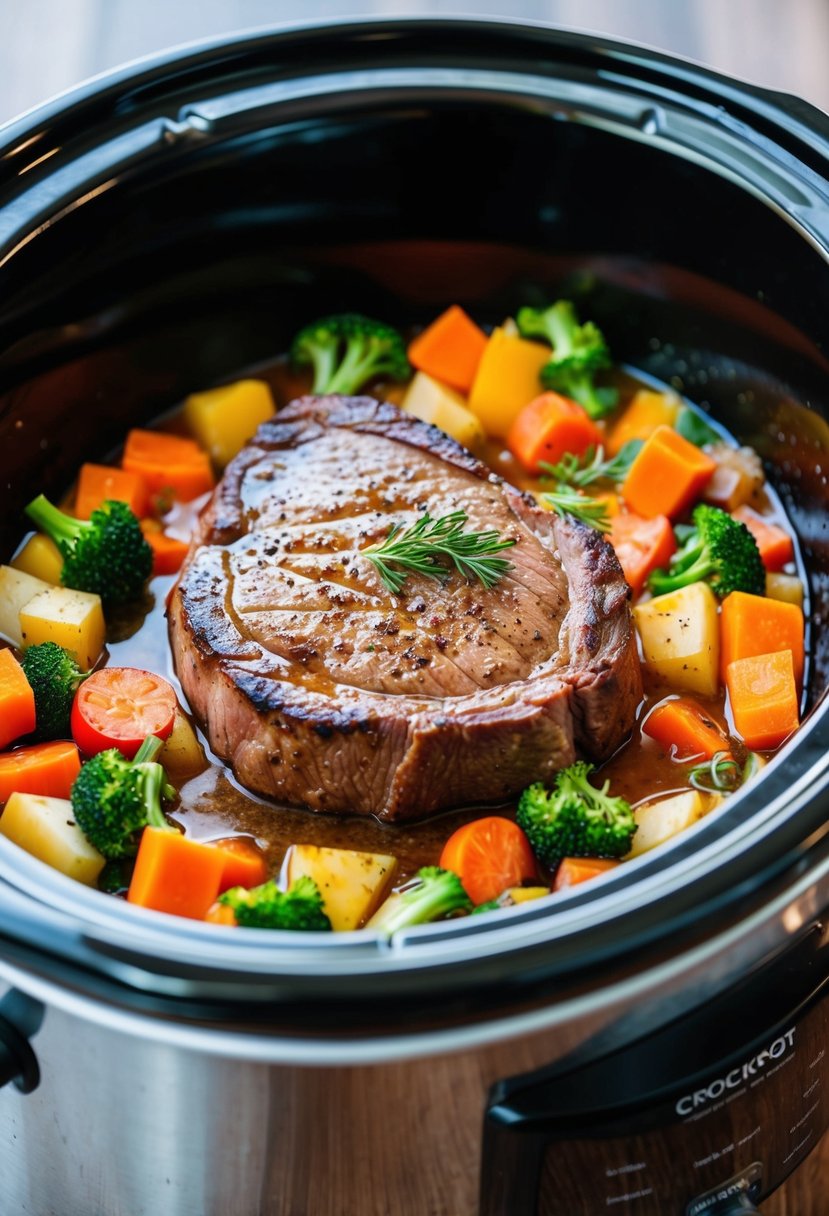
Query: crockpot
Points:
[651, 1046]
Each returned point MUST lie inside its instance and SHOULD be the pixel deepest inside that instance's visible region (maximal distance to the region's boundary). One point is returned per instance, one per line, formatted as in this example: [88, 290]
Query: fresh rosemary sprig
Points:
[591, 511]
[573, 470]
[422, 548]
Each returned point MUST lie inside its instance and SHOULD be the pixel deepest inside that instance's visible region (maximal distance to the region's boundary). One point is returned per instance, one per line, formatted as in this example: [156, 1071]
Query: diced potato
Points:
[223, 419]
[440, 405]
[46, 828]
[646, 411]
[352, 884]
[182, 755]
[736, 479]
[681, 639]
[73, 619]
[41, 558]
[785, 587]
[659, 821]
[16, 589]
[508, 378]
[523, 895]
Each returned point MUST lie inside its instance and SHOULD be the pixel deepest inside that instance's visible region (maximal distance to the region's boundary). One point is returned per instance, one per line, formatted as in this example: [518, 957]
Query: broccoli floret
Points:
[719, 550]
[348, 350]
[106, 554]
[575, 819]
[433, 893]
[266, 907]
[54, 677]
[114, 799]
[579, 351]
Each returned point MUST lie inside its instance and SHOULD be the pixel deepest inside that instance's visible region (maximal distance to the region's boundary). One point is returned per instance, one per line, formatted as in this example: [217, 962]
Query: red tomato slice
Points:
[119, 707]
[489, 855]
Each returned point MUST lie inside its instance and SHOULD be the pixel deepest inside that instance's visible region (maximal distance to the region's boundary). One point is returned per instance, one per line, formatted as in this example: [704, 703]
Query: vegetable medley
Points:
[96, 755]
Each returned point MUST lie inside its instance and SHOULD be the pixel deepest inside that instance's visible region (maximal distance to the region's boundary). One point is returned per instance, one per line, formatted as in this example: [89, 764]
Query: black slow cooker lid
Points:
[111, 133]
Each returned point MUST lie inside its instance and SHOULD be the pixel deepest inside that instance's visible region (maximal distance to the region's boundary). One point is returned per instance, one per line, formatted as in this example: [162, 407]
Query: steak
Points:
[324, 690]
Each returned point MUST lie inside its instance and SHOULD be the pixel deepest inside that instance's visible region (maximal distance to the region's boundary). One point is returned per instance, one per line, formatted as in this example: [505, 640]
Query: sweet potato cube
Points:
[754, 624]
[450, 349]
[508, 378]
[763, 695]
[667, 476]
[647, 410]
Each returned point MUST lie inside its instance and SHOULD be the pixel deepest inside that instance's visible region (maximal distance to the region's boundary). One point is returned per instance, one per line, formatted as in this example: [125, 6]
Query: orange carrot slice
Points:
[17, 701]
[685, 730]
[642, 546]
[48, 769]
[450, 349]
[174, 874]
[244, 866]
[221, 914]
[763, 696]
[754, 624]
[172, 467]
[667, 476]
[97, 483]
[573, 870]
[489, 855]
[549, 427]
[775, 545]
[168, 551]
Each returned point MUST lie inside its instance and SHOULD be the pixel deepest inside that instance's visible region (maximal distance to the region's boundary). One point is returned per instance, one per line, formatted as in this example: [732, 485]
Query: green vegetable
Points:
[433, 893]
[266, 907]
[114, 799]
[719, 775]
[693, 427]
[579, 352]
[575, 819]
[421, 548]
[54, 677]
[591, 511]
[348, 350]
[490, 906]
[106, 554]
[719, 550]
[577, 471]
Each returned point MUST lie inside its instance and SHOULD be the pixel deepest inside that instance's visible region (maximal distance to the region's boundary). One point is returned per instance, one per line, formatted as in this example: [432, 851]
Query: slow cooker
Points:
[654, 1046]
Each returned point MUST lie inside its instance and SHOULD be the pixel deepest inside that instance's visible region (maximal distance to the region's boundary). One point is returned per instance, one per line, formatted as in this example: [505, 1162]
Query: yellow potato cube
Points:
[223, 419]
[785, 587]
[681, 639]
[352, 884]
[508, 378]
[40, 557]
[73, 619]
[46, 828]
[523, 895]
[647, 410]
[16, 589]
[659, 821]
[182, 755]
[441, 406]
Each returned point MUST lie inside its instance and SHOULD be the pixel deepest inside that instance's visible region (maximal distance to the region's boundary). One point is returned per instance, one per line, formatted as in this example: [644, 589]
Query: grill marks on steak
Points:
[324, 690]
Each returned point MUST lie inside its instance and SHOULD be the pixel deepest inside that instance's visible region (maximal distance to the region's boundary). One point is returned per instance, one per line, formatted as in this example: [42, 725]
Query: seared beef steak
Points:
[322, 689]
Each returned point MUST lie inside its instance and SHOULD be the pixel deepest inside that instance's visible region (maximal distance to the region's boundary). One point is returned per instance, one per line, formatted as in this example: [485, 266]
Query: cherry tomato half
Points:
[119, 707]
[489, 855]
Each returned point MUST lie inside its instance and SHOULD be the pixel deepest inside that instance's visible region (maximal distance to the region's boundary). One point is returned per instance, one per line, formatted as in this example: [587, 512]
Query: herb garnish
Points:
[421, 548]
[591, 511]
[572, 470]
[720, 775]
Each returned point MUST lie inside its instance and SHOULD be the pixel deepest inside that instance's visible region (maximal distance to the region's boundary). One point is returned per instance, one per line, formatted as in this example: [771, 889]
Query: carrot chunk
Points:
[17, 701]
[775, 545]
[754, 624]
[244, 864]
[97, 483]
[573, 870]
[221, 914]
[642, 546]
[549, 427]
[667, 476]
[489, 855]
[646, 411]
[170, 466]
[48, 769]
[174, 874]
[763, 696]
[450, 349]
[684, 729]
[168, 551]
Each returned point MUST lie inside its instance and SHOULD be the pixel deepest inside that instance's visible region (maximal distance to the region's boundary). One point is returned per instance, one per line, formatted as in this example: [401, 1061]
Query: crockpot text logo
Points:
[736, 1077]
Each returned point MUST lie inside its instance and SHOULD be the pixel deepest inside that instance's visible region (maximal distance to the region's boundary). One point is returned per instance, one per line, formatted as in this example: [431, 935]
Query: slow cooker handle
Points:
[20, 1016]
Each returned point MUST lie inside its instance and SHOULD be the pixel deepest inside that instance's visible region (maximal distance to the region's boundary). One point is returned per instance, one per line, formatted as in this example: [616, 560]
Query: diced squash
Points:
[182, 755]
[441, 406]
[667, 476]
[508, 378]
[450, 349]
[72, 619]
[775, 544]
[49, 769]
[175, 874]
[681, 639]
[525, 895]
[16, 590]
[647, 410]
[223, 419]
[763, 695]
[352, 884]
[41, 558]
[98, 483]
[17, 701]
[46, 828]
[659, 821]
[784, 587]
[754, 624]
